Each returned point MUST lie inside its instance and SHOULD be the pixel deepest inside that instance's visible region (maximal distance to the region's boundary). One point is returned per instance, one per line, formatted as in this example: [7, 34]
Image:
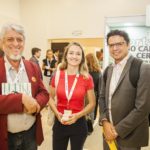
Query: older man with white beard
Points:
[22, 94]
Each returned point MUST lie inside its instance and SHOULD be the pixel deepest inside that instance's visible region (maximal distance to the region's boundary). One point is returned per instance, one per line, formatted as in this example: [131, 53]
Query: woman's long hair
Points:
[92, 63]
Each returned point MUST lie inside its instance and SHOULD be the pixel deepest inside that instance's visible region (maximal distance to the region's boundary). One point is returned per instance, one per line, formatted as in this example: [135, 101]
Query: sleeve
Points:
[41, 95]
[11, 103]
[102, 103]
[89, 83]
[142, 105]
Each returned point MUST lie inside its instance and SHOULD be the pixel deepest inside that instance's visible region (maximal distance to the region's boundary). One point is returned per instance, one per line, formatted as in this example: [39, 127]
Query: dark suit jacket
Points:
[12, 103]
[34, 60]
[129, 106]
[52, 65]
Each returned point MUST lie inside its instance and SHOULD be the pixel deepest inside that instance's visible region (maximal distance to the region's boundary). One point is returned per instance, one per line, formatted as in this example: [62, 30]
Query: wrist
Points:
[104, 121]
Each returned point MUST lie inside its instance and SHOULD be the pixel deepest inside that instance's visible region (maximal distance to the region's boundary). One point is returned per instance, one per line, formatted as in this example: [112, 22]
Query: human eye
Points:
[111, 45]
[10, 39]
[119, 44]
[78, 53]
[70, 52]
[19, 40]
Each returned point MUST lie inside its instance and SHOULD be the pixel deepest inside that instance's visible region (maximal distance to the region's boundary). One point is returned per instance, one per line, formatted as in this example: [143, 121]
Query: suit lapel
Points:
[28, 70]
[125, 70]
[109, 74]
[31, 76]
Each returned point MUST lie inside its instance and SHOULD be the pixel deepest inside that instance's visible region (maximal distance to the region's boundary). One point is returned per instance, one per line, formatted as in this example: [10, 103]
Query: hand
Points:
[30, 104]
[110, 133]
[72, 119]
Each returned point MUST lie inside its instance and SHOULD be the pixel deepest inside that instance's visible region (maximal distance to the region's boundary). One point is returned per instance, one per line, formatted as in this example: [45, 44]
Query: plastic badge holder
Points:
[66, 115]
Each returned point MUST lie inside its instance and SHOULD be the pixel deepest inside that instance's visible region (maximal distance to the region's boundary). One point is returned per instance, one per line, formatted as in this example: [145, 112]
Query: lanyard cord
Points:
[69, 95]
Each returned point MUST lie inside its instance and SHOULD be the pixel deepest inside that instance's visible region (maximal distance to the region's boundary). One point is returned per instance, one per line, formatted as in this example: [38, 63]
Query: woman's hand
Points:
[72, 119]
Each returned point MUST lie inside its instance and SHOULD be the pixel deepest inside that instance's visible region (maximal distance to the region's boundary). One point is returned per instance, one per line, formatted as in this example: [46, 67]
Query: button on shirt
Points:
[18, 122]
[117, 70]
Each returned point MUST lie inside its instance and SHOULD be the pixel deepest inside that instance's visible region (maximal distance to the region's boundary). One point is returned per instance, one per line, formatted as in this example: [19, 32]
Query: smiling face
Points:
[74, 55]
[13, 44]
[118, 47]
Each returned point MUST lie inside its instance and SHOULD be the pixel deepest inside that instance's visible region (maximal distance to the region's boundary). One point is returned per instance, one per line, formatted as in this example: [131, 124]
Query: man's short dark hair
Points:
[120, 33]
[35, 50]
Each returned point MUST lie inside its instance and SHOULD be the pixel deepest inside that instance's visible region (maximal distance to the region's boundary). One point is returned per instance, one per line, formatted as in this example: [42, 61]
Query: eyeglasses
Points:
[119, 44]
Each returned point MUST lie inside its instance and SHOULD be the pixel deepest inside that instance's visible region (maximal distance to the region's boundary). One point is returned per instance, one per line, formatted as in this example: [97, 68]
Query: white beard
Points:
[15, 58]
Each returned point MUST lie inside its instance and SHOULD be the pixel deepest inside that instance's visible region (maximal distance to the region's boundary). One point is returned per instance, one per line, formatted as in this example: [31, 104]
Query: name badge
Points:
[48, 73]
[8, 88]
[66, 115]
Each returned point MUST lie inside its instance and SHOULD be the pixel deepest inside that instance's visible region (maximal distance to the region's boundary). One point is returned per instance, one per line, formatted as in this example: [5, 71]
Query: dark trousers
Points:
[119, 147]
[24, 140]
[76, 133]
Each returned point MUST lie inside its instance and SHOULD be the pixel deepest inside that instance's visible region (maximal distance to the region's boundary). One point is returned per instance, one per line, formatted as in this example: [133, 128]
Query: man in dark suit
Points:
[22, 94]
[36, 53]
[124, 109]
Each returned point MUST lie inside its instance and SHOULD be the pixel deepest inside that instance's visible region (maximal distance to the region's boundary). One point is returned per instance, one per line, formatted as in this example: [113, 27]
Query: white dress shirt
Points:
[117, 70]
[18, 122]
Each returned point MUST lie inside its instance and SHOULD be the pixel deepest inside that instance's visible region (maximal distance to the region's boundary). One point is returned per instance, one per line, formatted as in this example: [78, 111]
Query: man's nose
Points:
[15, 42]
[115, 47]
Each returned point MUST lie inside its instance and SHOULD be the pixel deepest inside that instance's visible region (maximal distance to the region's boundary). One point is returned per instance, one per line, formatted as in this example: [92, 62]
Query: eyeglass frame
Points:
[119, 44]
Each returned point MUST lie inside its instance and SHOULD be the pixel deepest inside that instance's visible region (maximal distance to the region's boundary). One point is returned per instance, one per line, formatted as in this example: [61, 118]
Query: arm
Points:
[41, 96]
[87, 109]
[16, 103]
[90, 106]
[11, 103]
[108, 129]
[142, 104]
[52, 103]
[102, 103]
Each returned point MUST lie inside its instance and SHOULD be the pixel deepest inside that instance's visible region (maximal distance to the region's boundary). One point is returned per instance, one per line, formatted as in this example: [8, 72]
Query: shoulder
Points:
[86, 79]
[30, 64]
[145, 67]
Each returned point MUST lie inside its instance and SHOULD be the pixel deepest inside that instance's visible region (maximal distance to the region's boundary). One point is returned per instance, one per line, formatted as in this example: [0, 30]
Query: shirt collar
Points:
[10, 67]
[123, 61]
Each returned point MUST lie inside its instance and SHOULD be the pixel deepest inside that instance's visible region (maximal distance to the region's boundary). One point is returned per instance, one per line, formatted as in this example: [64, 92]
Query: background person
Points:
[94, 70]
[36, 53]
[49, 65]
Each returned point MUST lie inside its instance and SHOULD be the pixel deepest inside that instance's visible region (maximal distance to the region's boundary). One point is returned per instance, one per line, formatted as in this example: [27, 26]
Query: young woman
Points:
[74, 84]
[49, 64]
[95, 72]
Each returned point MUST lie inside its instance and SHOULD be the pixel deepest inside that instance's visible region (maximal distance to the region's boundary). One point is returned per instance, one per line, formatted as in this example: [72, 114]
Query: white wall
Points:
[9, 11]
[45, 19]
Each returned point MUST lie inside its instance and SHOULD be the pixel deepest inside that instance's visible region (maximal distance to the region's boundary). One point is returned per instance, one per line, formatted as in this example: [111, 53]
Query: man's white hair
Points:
[18, 28]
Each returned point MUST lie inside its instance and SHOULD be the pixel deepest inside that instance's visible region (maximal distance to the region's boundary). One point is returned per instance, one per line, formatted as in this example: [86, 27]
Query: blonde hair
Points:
[92, 63]
[83, 69]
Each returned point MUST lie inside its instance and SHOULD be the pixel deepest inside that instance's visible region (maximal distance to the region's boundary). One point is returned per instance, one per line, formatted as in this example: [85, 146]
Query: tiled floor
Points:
[93, 142]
